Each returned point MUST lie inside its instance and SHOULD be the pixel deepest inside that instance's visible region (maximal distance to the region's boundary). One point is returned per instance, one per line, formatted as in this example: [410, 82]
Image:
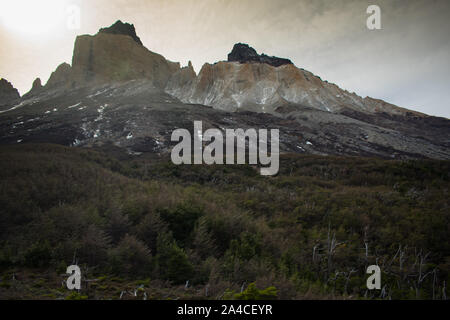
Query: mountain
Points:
[118, 93]
[248, 81]
[8, 94]
[110, 56]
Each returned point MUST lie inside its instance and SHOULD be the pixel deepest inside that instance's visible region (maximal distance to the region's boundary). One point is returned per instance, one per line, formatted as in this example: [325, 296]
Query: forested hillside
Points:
[143, 225]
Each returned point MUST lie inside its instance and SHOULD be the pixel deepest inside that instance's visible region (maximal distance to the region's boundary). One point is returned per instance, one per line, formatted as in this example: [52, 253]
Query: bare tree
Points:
[332, 244]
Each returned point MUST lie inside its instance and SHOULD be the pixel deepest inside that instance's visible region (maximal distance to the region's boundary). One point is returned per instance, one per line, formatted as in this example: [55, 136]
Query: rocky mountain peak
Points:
[60, 77]
[37, 84]
[244, 53]
[117, 54]
[35, 88]
[7, 92]
[122, 28]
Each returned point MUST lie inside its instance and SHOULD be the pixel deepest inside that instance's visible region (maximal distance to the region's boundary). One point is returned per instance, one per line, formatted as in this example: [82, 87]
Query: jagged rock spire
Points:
[122, 28]
[37, 84]
[7, 92]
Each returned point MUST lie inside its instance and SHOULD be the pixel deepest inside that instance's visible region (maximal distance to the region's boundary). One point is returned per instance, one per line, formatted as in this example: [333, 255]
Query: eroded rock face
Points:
[181, 78]
[261, 87]
[8, 93]
[244, 53]
[246, 83]
[109, 57]
[114, 54]
[61, 77]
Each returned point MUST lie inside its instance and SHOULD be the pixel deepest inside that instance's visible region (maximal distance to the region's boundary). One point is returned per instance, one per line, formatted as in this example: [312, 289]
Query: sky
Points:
[406, 62]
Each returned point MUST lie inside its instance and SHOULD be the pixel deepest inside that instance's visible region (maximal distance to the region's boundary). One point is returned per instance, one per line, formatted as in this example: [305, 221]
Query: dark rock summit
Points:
[8, 93]
[36, 88]
[37, 85]
[244, 53]
[60, 77]
[122, 28]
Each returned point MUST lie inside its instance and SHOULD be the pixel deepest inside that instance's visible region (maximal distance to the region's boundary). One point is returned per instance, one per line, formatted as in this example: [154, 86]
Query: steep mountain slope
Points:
[117, 92]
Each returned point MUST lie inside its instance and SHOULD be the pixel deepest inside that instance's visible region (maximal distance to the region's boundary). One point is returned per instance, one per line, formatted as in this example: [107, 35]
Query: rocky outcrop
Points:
[61, 77]
[114, 54]
[37, 85]
[231, 86]
[259, 87]
[110, 57]
[378, 106]
[125, 29]
[36, 88]
[8, 93]
[244, 53]
[246, 82]
[180, 79]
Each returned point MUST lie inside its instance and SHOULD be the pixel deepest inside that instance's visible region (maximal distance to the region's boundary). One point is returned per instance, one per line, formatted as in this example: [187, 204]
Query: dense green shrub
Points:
[181, 221]
[131, 257]
[172, 261]
[253, 293]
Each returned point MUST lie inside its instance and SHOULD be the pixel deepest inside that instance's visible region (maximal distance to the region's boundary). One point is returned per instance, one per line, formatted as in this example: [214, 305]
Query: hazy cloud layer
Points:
[406, 63]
